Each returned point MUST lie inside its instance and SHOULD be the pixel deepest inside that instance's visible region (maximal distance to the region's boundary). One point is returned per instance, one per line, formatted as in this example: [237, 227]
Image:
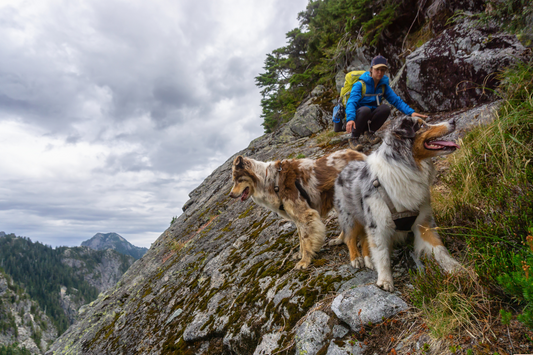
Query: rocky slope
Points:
[220, 280]
[104, 241]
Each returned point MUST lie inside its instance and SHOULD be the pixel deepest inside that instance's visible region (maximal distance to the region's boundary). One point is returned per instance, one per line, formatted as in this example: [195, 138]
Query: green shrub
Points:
[519, 282]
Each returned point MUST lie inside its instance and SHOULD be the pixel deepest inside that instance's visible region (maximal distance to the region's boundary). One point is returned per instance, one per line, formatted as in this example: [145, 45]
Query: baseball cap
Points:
[378, 62]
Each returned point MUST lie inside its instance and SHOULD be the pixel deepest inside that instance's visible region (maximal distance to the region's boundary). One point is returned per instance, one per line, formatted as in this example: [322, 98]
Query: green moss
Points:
[228, 228]
[248, 210]
[320, 262]
[171, 346]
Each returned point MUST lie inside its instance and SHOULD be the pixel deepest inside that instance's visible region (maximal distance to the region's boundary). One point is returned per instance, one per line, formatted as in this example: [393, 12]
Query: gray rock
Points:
[3, 285]
[469, 55]
[308, 119]
[339, 331]
[348, 349]
[373, 303]
[311, 335]
[268, 344]
[318, 90]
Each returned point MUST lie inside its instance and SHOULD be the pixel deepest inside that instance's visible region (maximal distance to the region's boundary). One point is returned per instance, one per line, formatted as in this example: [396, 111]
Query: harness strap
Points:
[276, 189]
[394, 213]
[303, 192]
[300, 188]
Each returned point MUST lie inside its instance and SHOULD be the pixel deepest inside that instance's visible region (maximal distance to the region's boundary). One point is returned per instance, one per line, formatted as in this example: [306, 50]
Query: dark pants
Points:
[370, 119]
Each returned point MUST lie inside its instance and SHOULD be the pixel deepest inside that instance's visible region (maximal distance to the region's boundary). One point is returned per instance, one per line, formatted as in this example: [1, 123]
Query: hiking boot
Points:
[371, 138]
[355, 144]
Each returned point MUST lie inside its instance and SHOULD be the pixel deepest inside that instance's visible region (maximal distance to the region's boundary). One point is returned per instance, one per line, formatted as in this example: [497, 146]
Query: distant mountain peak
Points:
[103, 241]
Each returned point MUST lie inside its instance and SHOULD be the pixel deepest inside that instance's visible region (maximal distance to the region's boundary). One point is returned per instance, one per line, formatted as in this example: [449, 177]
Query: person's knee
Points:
[364, 110]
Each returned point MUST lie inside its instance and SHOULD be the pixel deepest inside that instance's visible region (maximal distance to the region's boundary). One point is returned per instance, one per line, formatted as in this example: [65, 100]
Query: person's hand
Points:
[414, 114]
[350, 126]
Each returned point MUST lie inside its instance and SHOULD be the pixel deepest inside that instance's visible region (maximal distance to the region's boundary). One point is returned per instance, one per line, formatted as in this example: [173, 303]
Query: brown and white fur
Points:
[403, 167]
[258, 180]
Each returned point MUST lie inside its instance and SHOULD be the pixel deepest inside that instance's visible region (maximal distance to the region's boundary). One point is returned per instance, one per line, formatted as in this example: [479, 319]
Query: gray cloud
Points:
[115, 110]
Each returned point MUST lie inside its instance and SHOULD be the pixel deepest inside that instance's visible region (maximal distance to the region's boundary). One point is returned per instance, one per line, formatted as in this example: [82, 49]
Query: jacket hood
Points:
[369, 81]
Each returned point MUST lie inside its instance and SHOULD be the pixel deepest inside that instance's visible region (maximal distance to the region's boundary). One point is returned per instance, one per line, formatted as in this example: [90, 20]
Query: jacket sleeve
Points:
[396, 101]
[353, 102]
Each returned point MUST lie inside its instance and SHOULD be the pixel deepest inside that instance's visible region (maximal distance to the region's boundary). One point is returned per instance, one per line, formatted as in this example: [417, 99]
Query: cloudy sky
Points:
[112, 111]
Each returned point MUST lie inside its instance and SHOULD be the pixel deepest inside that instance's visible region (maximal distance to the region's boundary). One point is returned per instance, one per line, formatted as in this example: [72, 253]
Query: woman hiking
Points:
[365, 115]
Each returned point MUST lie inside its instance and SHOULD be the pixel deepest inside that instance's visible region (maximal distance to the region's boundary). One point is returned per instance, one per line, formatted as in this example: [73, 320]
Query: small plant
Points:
[506, 317]
[519, 282]
[174, 219]
[300, 156]
[176, 245]
[324, 138]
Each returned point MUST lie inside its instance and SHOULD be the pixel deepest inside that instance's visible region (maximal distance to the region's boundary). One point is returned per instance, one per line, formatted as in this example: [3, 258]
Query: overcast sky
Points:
[111, 112]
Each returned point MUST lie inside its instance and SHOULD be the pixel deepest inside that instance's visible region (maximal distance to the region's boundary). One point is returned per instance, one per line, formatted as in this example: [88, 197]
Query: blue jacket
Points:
[355, 101]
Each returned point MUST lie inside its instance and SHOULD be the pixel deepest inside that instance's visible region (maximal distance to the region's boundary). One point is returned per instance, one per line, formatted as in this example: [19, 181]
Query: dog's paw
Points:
[301, 265]
[386, 285]
[357, 263]
[336, 241]
[296, 256]
[368, 263]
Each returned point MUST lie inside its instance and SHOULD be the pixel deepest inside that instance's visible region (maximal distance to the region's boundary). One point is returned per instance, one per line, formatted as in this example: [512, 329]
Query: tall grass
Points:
[486, 209]
[489, 201]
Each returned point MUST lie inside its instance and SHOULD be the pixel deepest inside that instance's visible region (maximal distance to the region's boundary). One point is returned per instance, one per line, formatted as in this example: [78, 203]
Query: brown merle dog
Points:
[300, 190]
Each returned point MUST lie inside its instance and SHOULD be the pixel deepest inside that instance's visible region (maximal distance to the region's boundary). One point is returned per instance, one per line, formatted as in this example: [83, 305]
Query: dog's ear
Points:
[239, 162]
[405, 128]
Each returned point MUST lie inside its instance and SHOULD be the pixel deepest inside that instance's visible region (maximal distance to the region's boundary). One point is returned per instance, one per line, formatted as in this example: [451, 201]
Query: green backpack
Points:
[350, 79]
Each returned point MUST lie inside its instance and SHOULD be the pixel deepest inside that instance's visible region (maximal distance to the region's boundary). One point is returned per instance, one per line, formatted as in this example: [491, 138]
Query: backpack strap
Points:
[375, 95]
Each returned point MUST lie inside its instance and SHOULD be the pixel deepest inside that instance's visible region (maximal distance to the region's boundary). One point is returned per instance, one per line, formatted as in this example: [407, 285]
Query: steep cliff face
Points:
[21, 319]
[220, 280]
[101, 269]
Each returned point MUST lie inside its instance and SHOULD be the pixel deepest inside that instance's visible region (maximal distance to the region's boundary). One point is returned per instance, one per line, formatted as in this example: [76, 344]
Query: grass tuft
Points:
[450, 303]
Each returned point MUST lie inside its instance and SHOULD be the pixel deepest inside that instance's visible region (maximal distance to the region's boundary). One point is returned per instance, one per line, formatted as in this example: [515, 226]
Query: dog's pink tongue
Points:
[443, 144]
[244, 194]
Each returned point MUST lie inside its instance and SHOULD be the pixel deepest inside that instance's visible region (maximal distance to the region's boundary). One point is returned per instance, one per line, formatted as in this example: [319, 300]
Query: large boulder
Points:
[361, 305]
[309, 119]
[469, 56]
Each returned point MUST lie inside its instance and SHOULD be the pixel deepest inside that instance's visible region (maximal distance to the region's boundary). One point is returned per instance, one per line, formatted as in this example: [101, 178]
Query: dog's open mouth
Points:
[440, 145]
[245, 194]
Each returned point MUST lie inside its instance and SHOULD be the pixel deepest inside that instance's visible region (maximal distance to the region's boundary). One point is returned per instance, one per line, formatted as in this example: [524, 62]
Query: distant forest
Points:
[13, 350]
[38, 269]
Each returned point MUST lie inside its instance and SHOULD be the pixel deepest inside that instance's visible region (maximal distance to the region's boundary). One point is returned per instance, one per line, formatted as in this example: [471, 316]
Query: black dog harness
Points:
[298, 186]
[403, 220]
